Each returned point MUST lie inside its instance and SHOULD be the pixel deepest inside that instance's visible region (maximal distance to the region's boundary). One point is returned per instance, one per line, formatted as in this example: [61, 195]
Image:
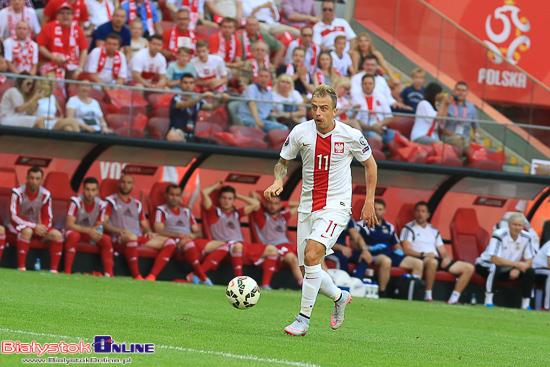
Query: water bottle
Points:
[407, 275]
[100, 230]
[473, 302]
[37, 265]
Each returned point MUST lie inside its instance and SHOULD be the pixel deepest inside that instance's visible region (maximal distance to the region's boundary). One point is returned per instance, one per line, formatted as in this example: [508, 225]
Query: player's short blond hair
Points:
[418, 71]
[326, 90]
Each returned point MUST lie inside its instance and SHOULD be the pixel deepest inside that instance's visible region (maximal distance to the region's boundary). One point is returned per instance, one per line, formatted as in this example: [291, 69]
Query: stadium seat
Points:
[212, 132]
[276, 138]
[402, 124]
[160, 112]
[8, 181]
[167, 24]
[157, 100]
[130, 132]
[378, 155]
[376, 144]
[204, 32]
[217, 116]
[247, 131]
[115, 121]
[157, 196]
[233, 112]
[108, 187]
[158, 127]
[59, 185]
[404, 216]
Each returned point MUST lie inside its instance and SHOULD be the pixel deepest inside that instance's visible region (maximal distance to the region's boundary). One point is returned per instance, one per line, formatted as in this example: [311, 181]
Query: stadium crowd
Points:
[214, 50]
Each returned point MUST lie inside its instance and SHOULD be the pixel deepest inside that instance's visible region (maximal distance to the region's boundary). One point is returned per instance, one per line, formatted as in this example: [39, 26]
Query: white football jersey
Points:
[541, 258]
[503, 245]
[326, 161]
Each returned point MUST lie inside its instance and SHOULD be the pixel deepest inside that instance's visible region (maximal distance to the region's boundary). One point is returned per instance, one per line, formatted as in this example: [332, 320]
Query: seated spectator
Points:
[176, 69]
[147, 14]
[249, 72]
[252, 34]
[364, 48]
[299, 13]
[541, 264]
[301, 78]
[342, 89]
[375, 114]
[509, 255]
[228, 46]
[413, 94]
[106, 64]
[84, 219]
[3, 63]
[258, 114]
[54, 6]
[6, 3]
[21, 52]
[267, 13]
[62, 45]
[31, 218]
[219, 9]
[48, 108]
[13, 14]
[137, 42]
[272, 225]
[148, 66]
[286, 108]
[196, 11]
[426, 126]
[174, 221]
[459, 132]
[422, 240]
[341, 60]
[179, 36]
[384, 246]
[87, 110]
[184, 110]
[329, 27]
[18, 103]
[100, 12]
[124, 220]
[117, 25]
[306, 42]
[224, 219]
[325, 73]
[211, 73]
[2, 240]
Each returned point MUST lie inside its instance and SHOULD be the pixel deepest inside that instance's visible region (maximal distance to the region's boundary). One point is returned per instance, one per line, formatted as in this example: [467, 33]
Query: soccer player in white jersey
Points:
[541, 264]
[327, 147]
[508, 256]
[422, 240]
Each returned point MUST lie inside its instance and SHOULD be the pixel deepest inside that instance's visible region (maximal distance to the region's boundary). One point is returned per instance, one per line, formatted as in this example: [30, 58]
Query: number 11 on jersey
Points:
[322, 158]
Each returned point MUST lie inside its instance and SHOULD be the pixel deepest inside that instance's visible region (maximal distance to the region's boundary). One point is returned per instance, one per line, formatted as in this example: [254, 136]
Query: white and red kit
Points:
[213, 68]
[227, 50]
[325, 34]
[27, 210]
[150, 68]
[174, 39]
[108, 69]
[377, 105]
[272, 230]
[23, 54]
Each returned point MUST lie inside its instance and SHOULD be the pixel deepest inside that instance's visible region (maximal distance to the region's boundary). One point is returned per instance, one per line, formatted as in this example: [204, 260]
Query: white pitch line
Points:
[181, 349]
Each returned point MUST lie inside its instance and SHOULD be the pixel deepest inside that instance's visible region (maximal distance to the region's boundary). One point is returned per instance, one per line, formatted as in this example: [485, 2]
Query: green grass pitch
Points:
[194, 325]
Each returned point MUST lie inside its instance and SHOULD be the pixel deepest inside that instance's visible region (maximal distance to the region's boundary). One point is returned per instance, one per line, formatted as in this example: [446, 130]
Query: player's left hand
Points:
[368, 217]
[151, 235]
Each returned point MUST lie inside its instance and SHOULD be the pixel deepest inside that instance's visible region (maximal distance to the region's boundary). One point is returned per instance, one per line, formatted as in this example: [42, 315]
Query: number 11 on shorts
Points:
[333, 225]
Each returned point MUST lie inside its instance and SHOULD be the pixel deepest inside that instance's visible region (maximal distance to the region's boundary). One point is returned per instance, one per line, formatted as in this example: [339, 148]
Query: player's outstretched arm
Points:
[367, 214]
[279, 174]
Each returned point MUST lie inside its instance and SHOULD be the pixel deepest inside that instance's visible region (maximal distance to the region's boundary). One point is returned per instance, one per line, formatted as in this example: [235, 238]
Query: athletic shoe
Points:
[528, 308]
[139, 277]
[489, 305]
[192, 278]
[453, 303]
[22, 269]
[207, 281]
[545, 309]
[337, 318]
[428, 299]
[151, 278]
[54, 271]
[266, 288]
[298, 327]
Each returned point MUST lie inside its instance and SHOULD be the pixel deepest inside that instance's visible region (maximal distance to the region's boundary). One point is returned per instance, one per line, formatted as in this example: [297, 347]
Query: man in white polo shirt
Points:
[541, 264]
[106, 64]
[420, 239]
[326, 31]
[508, 256]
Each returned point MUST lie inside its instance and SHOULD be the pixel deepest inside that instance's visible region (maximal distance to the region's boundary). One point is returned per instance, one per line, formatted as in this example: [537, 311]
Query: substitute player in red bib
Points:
[271, 226]
[84, 217]
[225, 226]
[31, 217]
[124, 219]
[327, 148]
[175, 221]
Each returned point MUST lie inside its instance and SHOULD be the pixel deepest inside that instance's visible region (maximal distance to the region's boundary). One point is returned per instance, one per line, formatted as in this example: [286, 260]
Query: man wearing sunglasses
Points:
[306, 42]
[330, 27]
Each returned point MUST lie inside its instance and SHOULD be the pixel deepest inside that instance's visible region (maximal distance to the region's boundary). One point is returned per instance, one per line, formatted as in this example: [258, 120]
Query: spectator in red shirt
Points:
[63, 46]
[31, 217]
[53, 7]
[179, 36]
[227, 45]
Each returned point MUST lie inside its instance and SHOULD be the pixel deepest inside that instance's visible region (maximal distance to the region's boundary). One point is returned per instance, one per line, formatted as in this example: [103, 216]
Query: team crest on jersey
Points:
[338, 147]
[85, 222]
[231, 225]
[362, 140]
[180, 223]
[287, 141]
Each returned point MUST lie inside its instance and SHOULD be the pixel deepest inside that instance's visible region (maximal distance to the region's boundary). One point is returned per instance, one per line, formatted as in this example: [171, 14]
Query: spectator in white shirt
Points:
[330, 27]
[99, 12]
[287, 110]
[312, 49]
[87, 110]
[267, 13]
[426, 125]
[220, 9]
[341, 60]
[196, 11]
[106, 64]
[21, 52]
[148, 66]
[11, 15]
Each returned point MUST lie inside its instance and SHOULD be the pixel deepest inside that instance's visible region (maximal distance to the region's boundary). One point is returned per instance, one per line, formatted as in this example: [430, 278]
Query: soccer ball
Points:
[243, 292]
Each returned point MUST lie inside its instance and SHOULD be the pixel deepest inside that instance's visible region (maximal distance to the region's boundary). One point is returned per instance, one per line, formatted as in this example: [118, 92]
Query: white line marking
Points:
[181, 349]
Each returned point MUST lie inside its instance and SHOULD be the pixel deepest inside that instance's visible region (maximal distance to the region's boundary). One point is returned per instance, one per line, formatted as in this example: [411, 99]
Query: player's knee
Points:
[238, 247]
[386, 262]
[55, 235]
[270, 250]
[128, 237]
[2, 231]
[430, 263]
[26, 233]
[418, 265]
[468, 268]
[291, 259]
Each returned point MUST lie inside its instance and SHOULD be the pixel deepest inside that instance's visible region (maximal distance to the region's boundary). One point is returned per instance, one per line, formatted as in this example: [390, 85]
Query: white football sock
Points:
[454, 297]
[525, 303]
[488, 298]
[328, 288]
[428, 295]
[310, 288]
